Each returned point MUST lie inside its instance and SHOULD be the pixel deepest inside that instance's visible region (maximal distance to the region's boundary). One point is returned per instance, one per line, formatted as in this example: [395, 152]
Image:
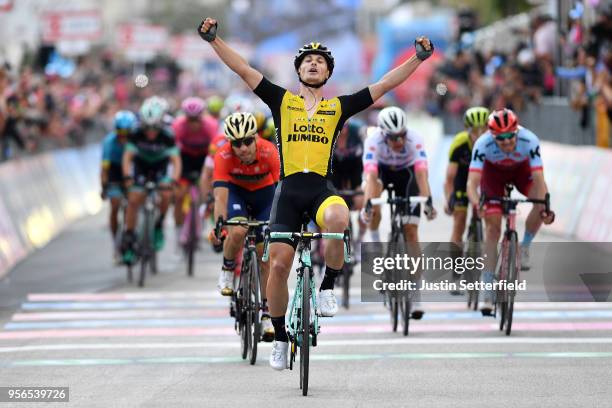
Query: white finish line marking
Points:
[329, 343]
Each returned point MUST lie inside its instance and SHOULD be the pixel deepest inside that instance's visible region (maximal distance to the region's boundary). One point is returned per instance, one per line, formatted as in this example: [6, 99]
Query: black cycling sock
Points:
[229, 264]
[264, 306]
[330, 278]
[280, 333]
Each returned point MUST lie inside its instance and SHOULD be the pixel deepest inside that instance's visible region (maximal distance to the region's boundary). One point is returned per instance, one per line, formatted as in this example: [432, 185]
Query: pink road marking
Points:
[124, 314]
[51, 297]
[354, 329]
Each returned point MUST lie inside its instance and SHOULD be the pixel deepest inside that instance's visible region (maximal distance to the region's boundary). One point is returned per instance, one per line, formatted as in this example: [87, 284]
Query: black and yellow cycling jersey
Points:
[460, 153]
[306, 144]
[306, 148]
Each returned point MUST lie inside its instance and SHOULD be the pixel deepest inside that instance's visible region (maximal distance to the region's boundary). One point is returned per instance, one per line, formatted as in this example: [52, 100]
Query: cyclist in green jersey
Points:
[307, 126]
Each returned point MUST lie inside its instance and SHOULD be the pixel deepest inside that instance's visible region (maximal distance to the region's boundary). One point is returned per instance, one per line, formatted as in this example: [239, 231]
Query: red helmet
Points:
[502, 121]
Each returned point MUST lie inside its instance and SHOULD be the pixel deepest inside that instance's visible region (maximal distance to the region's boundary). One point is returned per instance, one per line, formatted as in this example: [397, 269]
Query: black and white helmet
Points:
[392, 120]
[240, 125]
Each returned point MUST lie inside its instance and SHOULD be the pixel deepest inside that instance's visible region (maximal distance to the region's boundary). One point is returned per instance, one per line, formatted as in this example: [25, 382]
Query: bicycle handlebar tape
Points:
[209, 35]
[421, 53]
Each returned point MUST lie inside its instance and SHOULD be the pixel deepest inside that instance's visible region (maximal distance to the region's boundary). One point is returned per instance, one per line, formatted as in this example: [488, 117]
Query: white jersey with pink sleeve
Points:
[377, 151]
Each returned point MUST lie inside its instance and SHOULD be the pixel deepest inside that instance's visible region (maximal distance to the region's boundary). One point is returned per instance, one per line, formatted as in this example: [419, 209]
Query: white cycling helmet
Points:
[240, 125]
[392, 120]
[153, 110]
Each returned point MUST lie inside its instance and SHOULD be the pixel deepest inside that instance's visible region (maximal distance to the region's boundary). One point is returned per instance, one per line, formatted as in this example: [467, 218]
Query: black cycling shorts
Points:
[191, 165]
[404, 185]
[298, 194]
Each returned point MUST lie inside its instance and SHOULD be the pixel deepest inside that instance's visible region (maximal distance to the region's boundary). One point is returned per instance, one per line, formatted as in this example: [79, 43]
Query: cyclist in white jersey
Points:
[394, 154]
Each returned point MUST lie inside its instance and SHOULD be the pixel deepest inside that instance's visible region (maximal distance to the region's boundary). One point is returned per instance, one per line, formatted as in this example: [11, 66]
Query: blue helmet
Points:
[125, 119]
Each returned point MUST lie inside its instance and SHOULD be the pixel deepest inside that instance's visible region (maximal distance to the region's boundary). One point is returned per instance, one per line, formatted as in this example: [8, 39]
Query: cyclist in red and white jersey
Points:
[507, 153]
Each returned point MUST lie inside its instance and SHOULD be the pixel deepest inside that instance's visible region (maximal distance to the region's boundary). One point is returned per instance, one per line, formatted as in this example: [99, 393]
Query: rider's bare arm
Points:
[472, 187]
[422, 182]
[451, 172]
[232, 59]
[221, 194]
[126, 162]
[397, 75]
[176, 167]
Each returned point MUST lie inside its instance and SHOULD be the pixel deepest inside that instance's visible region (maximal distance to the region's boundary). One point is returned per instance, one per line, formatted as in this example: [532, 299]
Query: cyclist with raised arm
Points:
[307, 127]
[459, 158]
[193, 132]
[147, 155]
[245, 175]
[395, 154]
[111, 176]
[506, 153]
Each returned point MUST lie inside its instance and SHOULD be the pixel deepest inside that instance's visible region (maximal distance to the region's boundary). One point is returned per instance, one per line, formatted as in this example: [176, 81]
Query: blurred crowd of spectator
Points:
[578, 66]
[40, 109]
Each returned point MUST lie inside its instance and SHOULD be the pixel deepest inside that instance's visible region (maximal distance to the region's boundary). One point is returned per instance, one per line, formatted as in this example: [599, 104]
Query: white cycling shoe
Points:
[328, 306]
[225, 284]
[279, 356]
[486, 308]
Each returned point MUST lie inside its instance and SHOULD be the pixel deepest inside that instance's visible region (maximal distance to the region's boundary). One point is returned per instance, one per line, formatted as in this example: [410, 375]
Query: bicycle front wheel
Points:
[513, 270]
[254, 306]
[191, 245]
[304, 331]
[405, 310]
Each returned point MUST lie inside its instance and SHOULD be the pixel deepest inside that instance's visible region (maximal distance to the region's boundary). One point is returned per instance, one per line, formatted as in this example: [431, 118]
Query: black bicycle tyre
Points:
[145, 247]
[513, 266]
[254, 307]
[501, 294]
[242, 310]
[191, 245]
[304, 331]
[347, 271]
[405, 310]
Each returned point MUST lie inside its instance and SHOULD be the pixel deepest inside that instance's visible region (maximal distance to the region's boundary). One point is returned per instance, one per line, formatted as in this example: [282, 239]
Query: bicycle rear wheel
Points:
[254, 307]
[304, 331]
[405, 310]
[513, 270]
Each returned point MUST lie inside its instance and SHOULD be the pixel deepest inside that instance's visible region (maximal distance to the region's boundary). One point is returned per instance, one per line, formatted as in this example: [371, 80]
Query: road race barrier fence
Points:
[40, 195]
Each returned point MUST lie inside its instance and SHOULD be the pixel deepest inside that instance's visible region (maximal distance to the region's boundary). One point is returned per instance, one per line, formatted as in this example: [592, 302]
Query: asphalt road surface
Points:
[69, 318]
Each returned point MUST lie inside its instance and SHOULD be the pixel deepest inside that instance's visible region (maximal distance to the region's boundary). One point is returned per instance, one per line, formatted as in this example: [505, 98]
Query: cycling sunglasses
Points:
[246, 141]
[123, 132]
[394, 137]
[505, 136]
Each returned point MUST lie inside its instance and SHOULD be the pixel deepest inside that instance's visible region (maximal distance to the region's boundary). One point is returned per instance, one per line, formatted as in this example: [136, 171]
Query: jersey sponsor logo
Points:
[301, 137]
[293, 108]
[535, 153]
[422, 154]
[479, 156]
[369, 156]
[326, 112]
[308, 133]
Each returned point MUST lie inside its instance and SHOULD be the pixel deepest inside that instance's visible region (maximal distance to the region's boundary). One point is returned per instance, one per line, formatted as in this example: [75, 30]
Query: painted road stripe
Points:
[324, 343]
[121, 314]
[219, 301]
[313, 357]
[169, 304]
[348, 329]
[206, 322]
[52, 297]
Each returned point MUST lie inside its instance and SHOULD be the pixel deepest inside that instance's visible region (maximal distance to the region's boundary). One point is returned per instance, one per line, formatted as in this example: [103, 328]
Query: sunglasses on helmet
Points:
[505, 136]
[247, 141]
